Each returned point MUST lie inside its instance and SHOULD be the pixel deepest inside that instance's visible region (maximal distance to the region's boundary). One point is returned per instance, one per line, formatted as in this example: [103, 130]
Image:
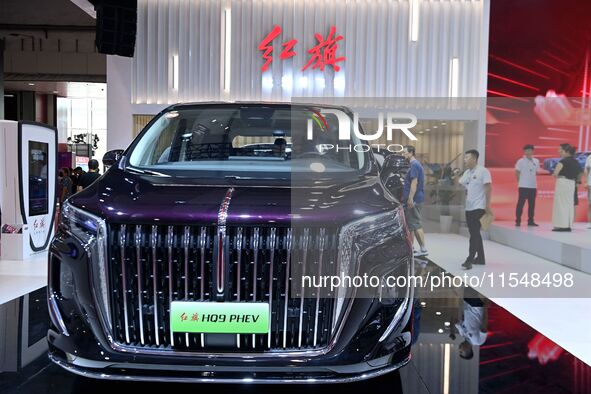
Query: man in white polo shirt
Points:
[472, 324]
[478, 183]
[526, 169]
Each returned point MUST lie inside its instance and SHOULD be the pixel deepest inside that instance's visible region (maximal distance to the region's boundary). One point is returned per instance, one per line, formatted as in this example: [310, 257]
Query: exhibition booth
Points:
[247, 147]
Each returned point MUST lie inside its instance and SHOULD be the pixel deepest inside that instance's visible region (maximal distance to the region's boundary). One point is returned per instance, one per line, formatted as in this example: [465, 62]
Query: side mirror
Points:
[394, 163]
[393, 172]
[111, 157]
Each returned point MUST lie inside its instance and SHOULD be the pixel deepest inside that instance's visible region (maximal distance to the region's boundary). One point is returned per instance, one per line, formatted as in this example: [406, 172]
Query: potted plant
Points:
[443, 194]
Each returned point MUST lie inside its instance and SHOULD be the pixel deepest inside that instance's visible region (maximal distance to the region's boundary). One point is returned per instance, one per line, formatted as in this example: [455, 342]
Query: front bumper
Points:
[78, 342]
[196, 374]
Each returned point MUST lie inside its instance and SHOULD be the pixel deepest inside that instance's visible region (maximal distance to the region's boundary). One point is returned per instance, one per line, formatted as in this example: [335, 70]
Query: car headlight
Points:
[366, 245]
[81, 225]
[91, 232]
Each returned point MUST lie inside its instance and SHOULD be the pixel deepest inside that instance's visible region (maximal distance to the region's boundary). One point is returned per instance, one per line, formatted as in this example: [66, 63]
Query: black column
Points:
[1, 78]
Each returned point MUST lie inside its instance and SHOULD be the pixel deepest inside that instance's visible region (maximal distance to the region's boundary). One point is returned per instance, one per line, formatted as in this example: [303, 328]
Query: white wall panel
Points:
[381, 59]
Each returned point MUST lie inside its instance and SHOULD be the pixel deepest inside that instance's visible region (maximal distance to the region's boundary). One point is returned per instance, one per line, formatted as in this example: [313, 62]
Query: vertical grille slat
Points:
[255, 247]
[304, 245]
[140, 279]
[170, 243]
[322, 243]
[153, 249]
[287, 284]
[186, 243]
[158, 264]
[122, 241]
[202, 243]
[271, 247]
[238, 273]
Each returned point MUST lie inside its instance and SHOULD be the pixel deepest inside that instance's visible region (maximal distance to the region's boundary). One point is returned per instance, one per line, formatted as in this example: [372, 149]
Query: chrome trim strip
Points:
[202, 241]
[322, 242]
[403, 307]
[238, 262]
[271, 245]
[255, 246]
[98, 374]
[57, 316]
[153, 245]
[122, 235]
[305, 243]
[170, 240]
[220, 261]
[287, 282]
[54, 311]
[238, 273]
[104, 276]
[221, 264]
[186, 240]
[138, 251]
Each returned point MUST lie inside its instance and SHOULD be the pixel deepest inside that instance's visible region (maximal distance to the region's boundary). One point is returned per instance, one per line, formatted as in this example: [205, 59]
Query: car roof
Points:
[253, 104]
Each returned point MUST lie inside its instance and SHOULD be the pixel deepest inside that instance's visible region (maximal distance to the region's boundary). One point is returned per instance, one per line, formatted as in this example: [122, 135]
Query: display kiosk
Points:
[28, 172]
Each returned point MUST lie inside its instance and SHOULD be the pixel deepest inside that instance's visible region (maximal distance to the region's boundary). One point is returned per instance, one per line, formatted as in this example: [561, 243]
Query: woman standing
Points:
[66, 185]
[567, 173]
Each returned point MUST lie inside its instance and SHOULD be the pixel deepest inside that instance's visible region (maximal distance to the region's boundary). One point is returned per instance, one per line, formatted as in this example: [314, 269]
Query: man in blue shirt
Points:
[413, 198]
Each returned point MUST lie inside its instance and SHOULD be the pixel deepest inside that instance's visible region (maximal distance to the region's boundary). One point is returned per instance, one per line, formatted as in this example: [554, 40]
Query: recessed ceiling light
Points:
[55, 92]
[438, 313]
[440, 331]
[434, 127]
[421, 132]
[443, 123]
[31, 84]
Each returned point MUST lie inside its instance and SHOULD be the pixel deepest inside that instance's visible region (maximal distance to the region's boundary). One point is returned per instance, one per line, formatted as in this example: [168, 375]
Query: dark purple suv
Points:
[199, 255]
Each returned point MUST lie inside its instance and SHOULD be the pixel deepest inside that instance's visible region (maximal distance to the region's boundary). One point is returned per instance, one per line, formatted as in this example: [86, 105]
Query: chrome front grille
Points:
[150, 266]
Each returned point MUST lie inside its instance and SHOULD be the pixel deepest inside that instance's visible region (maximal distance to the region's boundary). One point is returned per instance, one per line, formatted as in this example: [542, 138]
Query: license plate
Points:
[219, 317]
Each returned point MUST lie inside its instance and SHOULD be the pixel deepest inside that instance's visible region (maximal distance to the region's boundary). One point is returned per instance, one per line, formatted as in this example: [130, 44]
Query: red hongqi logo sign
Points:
[194, 317]
[322, 55]
[39, 224]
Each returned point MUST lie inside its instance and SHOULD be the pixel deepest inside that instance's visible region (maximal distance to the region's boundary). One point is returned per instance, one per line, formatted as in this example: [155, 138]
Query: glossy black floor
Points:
[513, 358]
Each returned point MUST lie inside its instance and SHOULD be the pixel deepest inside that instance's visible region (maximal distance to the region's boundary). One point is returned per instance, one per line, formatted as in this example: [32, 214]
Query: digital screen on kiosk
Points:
[38, 181]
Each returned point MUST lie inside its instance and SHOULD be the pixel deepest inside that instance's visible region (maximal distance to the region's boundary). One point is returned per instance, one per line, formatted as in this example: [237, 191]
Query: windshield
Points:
[247, 140]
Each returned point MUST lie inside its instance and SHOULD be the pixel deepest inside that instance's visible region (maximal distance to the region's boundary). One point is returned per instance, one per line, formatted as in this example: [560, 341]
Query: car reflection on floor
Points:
[462, 343]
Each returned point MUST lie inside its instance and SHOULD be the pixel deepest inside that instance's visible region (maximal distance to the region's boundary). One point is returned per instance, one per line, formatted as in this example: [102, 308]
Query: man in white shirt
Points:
[478, 183]
[526, 169]
[587, 176]
[472, 325]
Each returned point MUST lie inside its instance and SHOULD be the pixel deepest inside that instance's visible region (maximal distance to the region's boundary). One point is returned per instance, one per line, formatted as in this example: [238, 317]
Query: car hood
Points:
[127, 198]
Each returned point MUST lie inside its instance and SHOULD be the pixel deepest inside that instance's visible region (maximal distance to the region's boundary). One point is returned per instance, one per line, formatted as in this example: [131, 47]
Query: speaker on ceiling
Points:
[116, 22]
